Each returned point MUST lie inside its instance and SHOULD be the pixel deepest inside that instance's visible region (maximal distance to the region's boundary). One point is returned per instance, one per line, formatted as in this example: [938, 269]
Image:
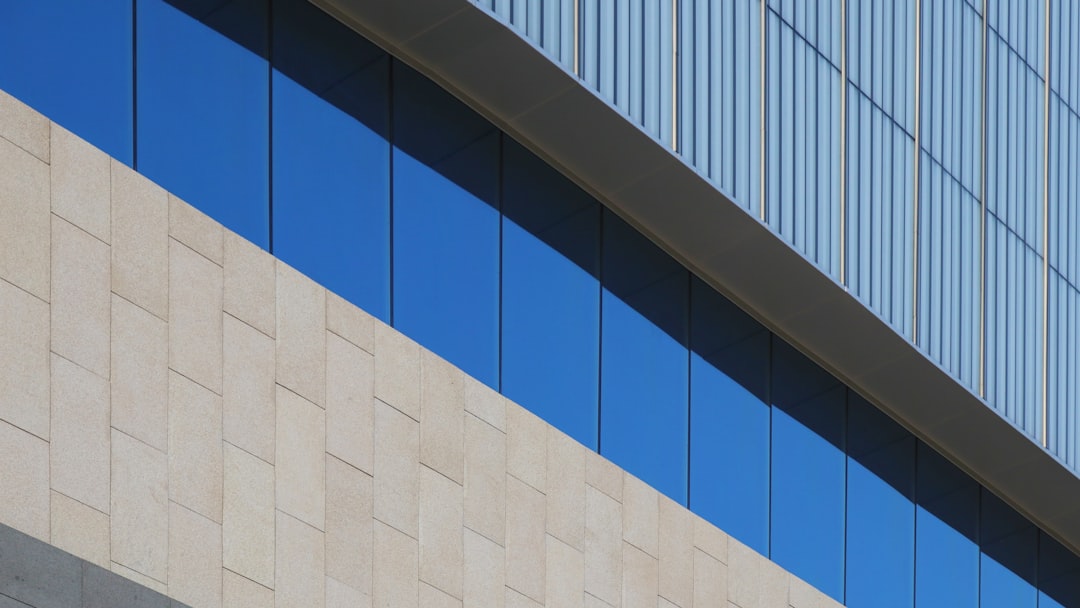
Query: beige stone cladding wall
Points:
[180, 407]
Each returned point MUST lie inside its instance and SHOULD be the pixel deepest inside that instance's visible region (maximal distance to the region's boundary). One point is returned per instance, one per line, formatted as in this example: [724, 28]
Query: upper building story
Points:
[571, 226]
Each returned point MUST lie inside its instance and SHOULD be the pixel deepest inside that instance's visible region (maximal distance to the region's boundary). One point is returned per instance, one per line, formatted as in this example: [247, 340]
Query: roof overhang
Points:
[523, 91]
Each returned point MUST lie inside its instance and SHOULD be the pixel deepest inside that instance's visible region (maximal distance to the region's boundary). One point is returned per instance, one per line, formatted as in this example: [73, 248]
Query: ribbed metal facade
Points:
[917, 152]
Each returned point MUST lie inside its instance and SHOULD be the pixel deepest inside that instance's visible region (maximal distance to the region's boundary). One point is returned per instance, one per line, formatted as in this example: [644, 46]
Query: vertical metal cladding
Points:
[880, 132]
[1063, 307]
[950, 158]
[945, 201]
[1014, 201]
[719, 94]
[803, 127]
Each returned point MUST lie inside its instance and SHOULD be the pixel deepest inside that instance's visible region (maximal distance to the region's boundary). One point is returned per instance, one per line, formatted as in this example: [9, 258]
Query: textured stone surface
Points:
[80, 183]
[676, 553]
[395, 575]
[140, 240]
[196, 230]
[435, 598]
[24, 220]
[525, 543]
[397, 370]
[195, 460]
[485, 403]
[240, 592]
[300, 461]
[565, 574]
[603, 546]
[79, 446]
[248, 389]
[526, 447]
[441, 550]
[641, 515]
[565, 488]
[349, 522]
[349, 322]
[24, 360]
[247, 529]
[139, 507]
[22, 126]
[710, 580]
[80, 297]
[349, 403]
[640, 578]
[603, 475]
[250, 284]
[194, 558]
[485, 479]
[340, 595]
[485, 571]
[195, 285]
[442, 417]
[300, 581]
[140, 373]
[301, 334]
[753, 581]
[79, 529]
[397, 469]
[24, 477]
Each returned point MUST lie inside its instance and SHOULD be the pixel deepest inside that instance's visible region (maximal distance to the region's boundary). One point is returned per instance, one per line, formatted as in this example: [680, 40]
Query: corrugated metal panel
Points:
[880, 158]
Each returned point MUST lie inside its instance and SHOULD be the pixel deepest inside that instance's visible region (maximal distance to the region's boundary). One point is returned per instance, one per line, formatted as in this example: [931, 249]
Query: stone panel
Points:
[395, 575]
[248, 524]
[349, 522]
[300, 463]
[442, 417]
[397, 469]
[485, 479]
[196, 230]
[79, 448]
[194, 558]
[441, 550]
[80, 297]
[24, 477]
[24, 220]
[603, 546]
[24, 360]
[300, 564]
[250, 284]
[248, 389]
[195, 460]
[24, 127]
[140, 240]
[140, 373]
[80, 183]
[484, 572]
[301, 334]
[525, 539]
[349, 403]
[397, 370]
[195, 292]
[79, 529]
[139, 508]
[565, 488]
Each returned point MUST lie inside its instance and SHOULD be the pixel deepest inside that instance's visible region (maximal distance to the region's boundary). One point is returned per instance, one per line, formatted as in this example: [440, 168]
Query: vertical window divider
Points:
[762, 142]
[915, 175]
[135, 84]
[675, 76]
[843, 142]
[270, 125]
[982, 201]
[1046, 227]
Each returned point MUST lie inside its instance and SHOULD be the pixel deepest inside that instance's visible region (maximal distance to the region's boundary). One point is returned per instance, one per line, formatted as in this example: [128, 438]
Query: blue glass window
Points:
[72, 61]
[331, 155]
[1059, 575]
[808, 470]
[445, 225]
[880, 509]
[729, 439]
[644, 408]
[550, 295]
[1008, 563]
[203, 107]
[947, 528]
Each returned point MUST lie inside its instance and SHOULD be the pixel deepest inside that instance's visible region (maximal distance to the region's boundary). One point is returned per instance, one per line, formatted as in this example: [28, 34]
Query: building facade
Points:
[801, 268]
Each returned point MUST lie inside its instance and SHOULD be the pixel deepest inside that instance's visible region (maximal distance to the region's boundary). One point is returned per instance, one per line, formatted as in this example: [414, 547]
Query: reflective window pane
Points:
[331, 157]
[808, 470]
[644, 409]
[71, 60]
[445, 225]
[203, 107]
[1008, 563]
[880, 509]
[729, 439]
[550, 295]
